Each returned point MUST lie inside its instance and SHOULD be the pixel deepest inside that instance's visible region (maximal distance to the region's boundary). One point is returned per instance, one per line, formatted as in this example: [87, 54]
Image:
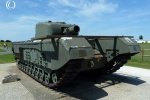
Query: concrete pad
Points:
[128, 83]
[13, 90]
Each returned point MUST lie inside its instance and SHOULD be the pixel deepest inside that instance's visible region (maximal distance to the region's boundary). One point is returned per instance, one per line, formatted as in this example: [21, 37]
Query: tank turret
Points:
[45, 29]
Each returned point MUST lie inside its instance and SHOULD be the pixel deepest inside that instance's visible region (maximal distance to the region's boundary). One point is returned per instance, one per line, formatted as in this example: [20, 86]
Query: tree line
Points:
[5, 41]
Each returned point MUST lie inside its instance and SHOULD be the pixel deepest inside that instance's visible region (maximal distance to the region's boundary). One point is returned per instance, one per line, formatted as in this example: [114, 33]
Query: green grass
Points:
[137, 59]
[140, 65]
[7, 58]
[9, 44]
[1, 50]
[145, 45]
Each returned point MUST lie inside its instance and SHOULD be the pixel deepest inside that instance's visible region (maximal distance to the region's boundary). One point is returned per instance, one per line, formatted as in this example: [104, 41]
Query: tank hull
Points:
[55, 53]
[56, 61]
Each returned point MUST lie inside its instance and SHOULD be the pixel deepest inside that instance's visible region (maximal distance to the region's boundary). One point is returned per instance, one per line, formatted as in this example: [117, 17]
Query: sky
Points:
[95, 17]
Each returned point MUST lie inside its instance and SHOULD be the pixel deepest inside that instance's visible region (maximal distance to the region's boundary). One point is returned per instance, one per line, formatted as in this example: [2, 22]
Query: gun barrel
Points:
[73, 30]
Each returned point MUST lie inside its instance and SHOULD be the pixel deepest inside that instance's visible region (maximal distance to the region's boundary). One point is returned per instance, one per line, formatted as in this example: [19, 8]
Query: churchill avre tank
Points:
[57, 53]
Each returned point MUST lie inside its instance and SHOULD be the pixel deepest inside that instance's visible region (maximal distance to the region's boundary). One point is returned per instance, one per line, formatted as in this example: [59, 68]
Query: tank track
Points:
[115, 64]
[51, 78]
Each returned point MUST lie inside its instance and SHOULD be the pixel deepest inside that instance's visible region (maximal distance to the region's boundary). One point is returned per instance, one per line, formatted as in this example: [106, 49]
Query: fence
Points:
[143, 53]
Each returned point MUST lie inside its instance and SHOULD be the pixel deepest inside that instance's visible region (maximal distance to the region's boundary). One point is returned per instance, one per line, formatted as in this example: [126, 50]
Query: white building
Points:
[143, 41]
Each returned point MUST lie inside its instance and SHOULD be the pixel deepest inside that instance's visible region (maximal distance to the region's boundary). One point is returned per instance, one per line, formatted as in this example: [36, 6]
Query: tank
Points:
[57, 53]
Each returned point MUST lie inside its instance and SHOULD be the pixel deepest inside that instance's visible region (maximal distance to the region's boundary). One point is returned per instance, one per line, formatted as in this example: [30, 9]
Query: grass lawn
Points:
[137, 59]
[145, 65]
[9, 44]
[7, 58]
[1, 50]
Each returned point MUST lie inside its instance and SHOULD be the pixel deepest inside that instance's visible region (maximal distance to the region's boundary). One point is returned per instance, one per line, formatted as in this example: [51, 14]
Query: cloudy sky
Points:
[95, 17]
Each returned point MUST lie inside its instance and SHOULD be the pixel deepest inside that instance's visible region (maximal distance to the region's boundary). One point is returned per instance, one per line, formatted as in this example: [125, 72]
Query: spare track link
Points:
[43, 75]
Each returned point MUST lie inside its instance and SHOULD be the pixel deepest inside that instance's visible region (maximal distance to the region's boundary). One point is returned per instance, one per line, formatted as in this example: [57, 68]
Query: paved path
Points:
[128, 83]
[7, 51]
[13, 90]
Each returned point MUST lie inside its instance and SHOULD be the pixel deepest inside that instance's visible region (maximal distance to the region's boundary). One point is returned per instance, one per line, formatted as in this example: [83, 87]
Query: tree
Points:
[1, 40]
[8, 41]
[141, 37]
